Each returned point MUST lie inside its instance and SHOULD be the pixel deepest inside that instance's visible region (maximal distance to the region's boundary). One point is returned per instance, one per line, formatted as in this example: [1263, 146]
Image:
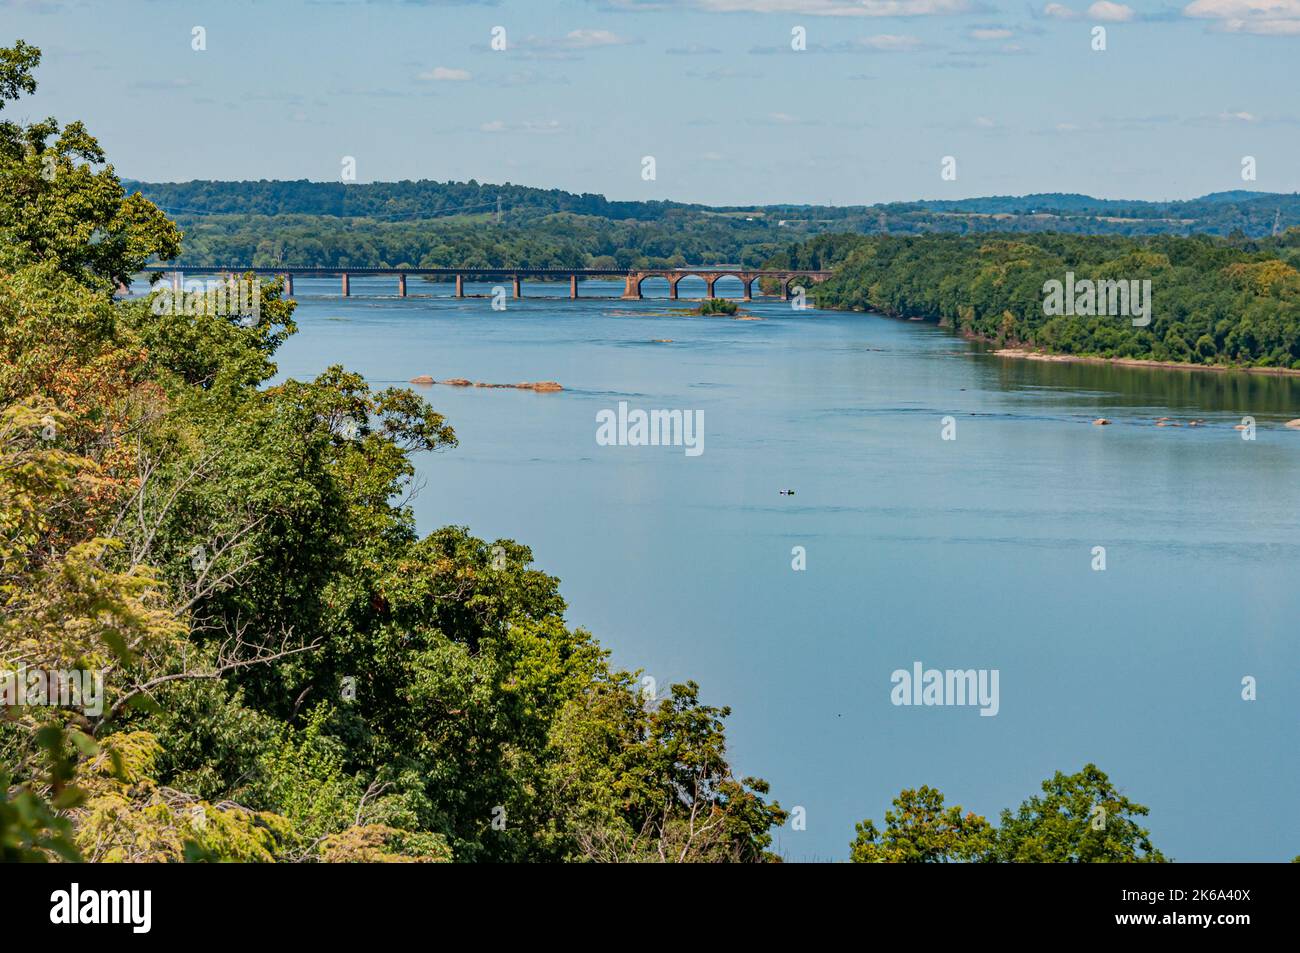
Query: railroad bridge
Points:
[632, 278]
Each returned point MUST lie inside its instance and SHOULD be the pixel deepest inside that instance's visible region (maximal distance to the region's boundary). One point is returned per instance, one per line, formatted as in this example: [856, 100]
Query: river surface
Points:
[971, 553]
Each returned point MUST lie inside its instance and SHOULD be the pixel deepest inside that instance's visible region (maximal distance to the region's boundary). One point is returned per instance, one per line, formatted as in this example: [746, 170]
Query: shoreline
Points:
[1026, 355]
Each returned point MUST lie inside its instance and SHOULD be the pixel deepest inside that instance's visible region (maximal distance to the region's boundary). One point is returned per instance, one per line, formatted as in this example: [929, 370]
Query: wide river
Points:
[971, 553]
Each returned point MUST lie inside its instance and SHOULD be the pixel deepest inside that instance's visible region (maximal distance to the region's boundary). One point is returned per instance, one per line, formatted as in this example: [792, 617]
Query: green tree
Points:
[1079, 818]
[921, 830]
[57, 207]
[230, 554]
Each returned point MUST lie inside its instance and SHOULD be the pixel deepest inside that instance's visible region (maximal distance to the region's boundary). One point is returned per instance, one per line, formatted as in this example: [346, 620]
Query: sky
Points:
[714, 90]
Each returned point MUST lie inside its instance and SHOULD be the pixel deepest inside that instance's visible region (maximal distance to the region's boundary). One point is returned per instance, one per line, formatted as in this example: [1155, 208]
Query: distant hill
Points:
[385, 201]
[441, 224]
[1254, 213]
[1207, 212]
[1073, 203]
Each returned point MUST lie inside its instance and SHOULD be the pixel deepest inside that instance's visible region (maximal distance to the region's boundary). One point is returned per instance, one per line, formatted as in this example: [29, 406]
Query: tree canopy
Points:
[1212, 301]
[290, 671]
[1080, 818]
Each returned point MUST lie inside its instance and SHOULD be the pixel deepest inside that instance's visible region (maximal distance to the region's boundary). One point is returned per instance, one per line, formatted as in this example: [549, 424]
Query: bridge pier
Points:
[632, 283]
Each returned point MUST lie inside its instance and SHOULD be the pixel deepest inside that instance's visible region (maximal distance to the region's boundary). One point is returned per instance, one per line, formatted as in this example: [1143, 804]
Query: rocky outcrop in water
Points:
[540, 387]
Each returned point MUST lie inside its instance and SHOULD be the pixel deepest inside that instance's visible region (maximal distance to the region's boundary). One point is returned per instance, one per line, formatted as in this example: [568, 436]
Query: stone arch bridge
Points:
[633, 278]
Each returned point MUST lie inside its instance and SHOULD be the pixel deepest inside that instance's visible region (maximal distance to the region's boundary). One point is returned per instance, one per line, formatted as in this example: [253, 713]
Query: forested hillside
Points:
[290, 671]
[554, 240]
[441, 224]
[383, 200]
[1213, 301]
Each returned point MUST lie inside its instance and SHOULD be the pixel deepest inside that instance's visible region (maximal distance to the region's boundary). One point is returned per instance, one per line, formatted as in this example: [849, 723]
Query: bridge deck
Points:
[720, 270]
[633, 278]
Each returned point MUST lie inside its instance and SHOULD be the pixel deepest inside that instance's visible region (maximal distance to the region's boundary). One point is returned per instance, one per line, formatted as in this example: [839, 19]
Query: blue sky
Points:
[711, 88]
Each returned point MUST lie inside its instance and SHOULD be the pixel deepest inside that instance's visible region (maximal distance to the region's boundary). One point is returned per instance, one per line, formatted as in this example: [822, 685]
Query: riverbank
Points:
[845, 408]
[1022, 354]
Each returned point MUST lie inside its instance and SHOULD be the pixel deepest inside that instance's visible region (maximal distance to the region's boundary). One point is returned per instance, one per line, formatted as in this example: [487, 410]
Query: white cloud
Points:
[694, 49]
[588, 39]
[892, 42]
[569, 46]
[782, 117]
[984, 122]
[990, 33]
[815, 8]
[445, 74]
[1263, 17]
[525, 77]
[1059, 11]
[1113, 12]
[532, 125]
[1238, 117]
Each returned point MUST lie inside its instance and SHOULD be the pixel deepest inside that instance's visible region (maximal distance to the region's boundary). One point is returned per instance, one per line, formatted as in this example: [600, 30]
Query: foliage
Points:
[717, 306]
[1212, 301]
[378, 844]
[446, 224]
[128, 817]
[57, 207]
[291, 672]
[921, 830]
[1080, 819]
[668, 797]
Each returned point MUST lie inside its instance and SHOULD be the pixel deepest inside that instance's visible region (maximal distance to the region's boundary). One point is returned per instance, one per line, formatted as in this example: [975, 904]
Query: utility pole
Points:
[498, 208]
[1277, 223]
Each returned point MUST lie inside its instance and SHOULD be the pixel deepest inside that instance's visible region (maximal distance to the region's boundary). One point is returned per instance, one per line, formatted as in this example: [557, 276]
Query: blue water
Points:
[970, 553]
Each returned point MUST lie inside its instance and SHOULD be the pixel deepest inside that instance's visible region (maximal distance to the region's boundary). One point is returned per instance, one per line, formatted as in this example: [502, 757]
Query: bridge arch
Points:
[794, 280]
[728, 284]
[655, 285]
[692, 286]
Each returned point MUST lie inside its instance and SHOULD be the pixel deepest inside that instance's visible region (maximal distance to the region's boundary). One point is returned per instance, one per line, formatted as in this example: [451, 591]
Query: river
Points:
[971, 553]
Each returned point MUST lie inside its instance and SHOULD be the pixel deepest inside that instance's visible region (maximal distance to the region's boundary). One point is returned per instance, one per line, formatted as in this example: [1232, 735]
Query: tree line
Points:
[268, 224]
[290, 671]
[1215, 301]
[551, 240]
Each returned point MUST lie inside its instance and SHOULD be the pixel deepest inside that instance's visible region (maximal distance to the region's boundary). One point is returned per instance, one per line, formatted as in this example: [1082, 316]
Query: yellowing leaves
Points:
[1264, 277]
